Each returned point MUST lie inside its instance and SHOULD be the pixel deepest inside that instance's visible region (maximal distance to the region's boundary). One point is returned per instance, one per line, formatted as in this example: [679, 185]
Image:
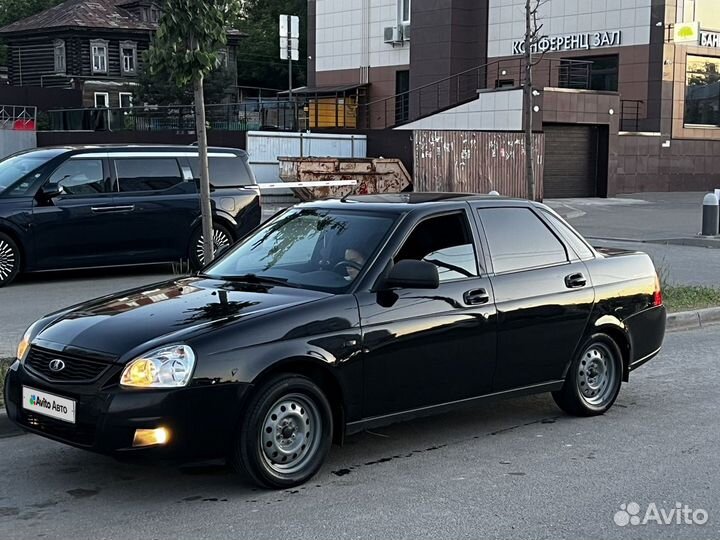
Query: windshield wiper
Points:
[253, 278]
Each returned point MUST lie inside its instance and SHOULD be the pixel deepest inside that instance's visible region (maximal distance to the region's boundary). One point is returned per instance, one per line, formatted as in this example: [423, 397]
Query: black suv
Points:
[78, 207]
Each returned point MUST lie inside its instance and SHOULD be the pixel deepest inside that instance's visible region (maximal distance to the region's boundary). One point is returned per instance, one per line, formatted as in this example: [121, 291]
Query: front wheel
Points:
[286, 433]
[222, 238]
[593, 380]
[9, 260]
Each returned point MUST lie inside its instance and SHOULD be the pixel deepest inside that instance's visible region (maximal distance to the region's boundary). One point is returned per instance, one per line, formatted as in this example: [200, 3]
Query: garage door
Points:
[570, 161]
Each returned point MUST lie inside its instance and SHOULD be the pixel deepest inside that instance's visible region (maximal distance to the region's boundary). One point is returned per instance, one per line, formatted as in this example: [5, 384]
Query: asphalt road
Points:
[514, 469]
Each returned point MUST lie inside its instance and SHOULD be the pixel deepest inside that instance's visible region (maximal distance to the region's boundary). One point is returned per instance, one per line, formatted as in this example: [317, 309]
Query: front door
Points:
[424, 347]
[77, 228]
[543, 295]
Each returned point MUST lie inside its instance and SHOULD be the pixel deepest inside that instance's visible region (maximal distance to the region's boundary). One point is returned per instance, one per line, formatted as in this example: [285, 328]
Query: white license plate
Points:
[48, 404]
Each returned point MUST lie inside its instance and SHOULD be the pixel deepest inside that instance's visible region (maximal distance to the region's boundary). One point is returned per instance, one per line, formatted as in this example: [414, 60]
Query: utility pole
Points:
[527, 104]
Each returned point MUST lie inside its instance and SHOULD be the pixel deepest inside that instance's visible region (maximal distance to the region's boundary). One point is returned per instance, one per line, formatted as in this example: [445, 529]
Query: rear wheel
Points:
[593, 380]
[285, 434]
[9, 259]
[222, 237]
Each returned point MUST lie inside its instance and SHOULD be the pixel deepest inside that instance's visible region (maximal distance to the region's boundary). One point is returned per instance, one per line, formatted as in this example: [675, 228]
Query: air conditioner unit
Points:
[392, 34]
[406, 32]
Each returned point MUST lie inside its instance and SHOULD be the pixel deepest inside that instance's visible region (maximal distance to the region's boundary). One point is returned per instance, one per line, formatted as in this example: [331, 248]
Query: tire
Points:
[590, 392]
[268, 446]
[9, 260]
[222, 238]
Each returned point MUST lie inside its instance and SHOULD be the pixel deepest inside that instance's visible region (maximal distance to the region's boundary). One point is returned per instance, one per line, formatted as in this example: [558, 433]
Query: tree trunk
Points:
[528, 105]
[205, 208]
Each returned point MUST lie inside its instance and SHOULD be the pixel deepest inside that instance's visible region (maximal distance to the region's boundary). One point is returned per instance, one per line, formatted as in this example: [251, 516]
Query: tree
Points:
[260, 64]
[186, 46]
[158, 88]
[532, 37]
[15, 10]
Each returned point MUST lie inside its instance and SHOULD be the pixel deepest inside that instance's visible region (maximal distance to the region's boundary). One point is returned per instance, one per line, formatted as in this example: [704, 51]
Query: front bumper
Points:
[202, 418]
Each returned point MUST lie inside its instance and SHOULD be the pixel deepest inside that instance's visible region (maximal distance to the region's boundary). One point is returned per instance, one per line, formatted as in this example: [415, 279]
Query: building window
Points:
[59, 55]
[99, 56]
[102, 100]
[222, 58]
[704, 11]
[128, 57]
[404, 11]
[125, 99]
[702, 91]
[402, 96]
[601, 74]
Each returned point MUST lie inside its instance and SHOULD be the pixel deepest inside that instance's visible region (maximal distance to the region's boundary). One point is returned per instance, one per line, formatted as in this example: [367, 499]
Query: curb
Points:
[689, 320]
[7, 428]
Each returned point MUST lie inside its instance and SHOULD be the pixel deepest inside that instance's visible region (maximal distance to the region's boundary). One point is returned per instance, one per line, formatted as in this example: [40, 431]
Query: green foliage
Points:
[259, 61]
[157, 88]
[15, 10]
[191, 33]
[689, 297]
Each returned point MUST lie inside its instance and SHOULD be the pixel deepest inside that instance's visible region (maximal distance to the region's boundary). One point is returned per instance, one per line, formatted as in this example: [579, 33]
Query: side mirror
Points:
[411, 274]
[50, 191]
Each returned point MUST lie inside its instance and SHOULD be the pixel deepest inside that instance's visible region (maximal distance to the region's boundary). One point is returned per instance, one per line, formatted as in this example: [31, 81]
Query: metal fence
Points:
[18, 117]
[272, 115]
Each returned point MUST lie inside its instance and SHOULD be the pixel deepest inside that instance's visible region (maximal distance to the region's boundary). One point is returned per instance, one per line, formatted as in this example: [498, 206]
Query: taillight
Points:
[657, 299]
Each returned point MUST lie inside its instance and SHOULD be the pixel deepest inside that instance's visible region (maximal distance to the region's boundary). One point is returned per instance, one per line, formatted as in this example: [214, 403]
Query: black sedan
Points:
[338, 316]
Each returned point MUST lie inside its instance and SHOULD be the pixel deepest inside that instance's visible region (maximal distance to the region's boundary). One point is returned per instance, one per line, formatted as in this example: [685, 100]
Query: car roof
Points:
[406, 202]
[89, 148]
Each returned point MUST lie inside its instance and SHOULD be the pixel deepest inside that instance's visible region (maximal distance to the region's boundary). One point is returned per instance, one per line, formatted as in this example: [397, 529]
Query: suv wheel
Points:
[222, 237]
[286, 433]
[9, 259]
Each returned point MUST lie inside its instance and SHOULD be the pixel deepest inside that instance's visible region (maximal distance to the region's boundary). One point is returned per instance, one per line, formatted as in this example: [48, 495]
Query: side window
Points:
[445, 241]
[519, 240]
[147, 174]
[570, 236]
[224, 171]
[80, 177]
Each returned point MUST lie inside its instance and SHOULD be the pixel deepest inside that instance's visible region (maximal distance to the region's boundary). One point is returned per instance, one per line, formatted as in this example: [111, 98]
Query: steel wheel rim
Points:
[220, 240]
[8, 260]
[597, 375]
[290, 435]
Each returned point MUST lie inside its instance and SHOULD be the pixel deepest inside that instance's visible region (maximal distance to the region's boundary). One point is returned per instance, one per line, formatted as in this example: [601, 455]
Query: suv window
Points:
[519, 240]
[80, 177]
[570, 236]
[225, 171]
[445, 241]
[147, 174]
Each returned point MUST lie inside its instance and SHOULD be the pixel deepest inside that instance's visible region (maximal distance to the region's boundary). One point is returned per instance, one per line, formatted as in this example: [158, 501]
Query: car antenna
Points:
[351, 192]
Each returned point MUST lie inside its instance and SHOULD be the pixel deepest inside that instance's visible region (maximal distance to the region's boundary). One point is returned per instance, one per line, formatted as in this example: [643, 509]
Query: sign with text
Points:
[571, 42]
[710, 39]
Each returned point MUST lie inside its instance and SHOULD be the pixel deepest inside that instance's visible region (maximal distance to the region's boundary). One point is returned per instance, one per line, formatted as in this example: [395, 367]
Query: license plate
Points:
[48, 404]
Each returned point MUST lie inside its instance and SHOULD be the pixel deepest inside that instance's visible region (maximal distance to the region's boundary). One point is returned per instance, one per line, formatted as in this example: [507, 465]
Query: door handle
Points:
[112, 209]
[575, 281]
[475, 297]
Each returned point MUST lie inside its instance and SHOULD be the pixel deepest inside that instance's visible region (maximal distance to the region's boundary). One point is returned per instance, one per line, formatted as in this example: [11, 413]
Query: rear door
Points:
[543, 296]
[162, 205]
[79, 227]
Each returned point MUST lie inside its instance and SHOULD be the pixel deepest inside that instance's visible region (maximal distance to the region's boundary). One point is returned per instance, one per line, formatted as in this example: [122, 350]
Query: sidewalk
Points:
[664, 225]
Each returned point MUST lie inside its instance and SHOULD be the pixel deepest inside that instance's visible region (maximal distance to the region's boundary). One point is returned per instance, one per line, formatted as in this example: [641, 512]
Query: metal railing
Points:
[275, 115]
[462, 87]
[630, 114]
[18, 117]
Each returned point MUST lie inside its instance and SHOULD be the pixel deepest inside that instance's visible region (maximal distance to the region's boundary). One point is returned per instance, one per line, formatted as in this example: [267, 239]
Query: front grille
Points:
[76, 369]
[81, 434]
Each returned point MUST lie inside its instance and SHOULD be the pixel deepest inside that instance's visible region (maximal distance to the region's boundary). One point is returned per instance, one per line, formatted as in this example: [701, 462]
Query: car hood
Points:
[116, 324]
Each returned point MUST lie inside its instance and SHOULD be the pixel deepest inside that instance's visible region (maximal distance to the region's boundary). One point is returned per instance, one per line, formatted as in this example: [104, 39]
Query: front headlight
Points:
[166, 367]
[24, 345]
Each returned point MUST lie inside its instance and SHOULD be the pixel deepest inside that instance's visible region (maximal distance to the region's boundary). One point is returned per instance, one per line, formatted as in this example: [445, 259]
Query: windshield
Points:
[20, 166]
[307, 247]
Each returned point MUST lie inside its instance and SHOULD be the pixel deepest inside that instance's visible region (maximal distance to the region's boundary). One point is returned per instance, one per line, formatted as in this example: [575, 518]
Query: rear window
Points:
[225, 171]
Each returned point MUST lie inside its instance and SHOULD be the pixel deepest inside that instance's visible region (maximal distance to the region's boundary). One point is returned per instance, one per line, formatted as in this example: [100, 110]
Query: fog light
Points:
[151, 437]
